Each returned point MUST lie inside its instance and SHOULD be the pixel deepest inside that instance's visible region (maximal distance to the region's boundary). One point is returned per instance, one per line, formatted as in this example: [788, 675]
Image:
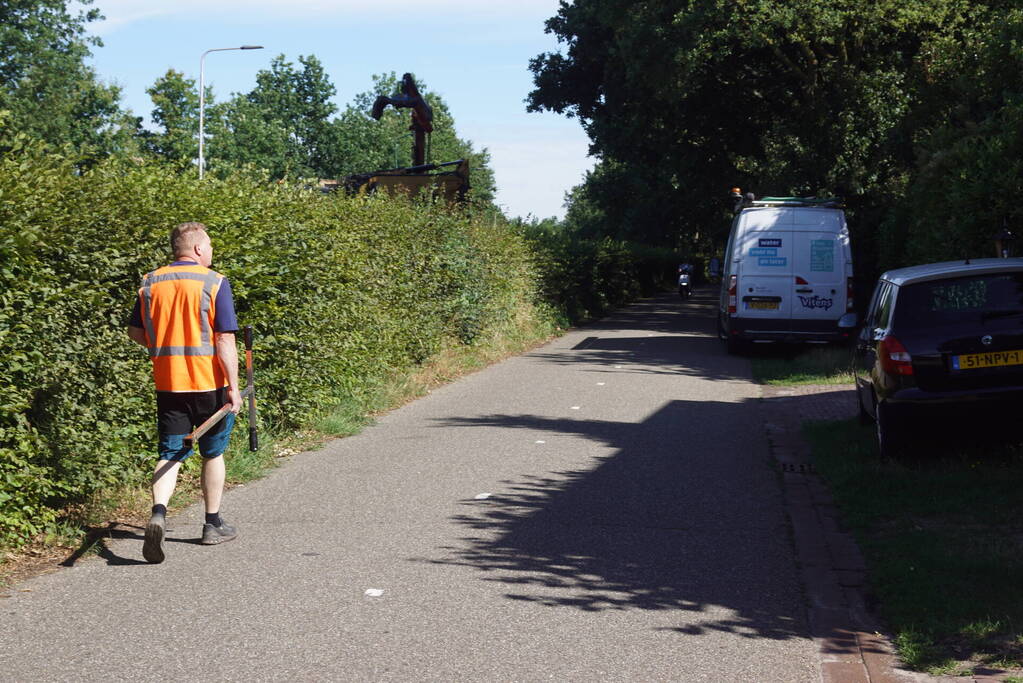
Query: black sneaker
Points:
[152, 547]
[212, 535]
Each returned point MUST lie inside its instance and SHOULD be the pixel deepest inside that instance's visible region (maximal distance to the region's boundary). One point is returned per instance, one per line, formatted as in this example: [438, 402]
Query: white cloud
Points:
[120, 13]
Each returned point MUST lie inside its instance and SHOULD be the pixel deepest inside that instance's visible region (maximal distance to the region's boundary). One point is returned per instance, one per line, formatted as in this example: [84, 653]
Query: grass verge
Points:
[786, 364]
[85, 529]
[942, 535]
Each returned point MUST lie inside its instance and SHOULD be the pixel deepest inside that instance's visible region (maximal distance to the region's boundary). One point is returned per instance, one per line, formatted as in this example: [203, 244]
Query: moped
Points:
[684, 288]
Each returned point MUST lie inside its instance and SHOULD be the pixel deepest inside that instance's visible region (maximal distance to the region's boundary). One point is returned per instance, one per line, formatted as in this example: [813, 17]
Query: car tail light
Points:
[849, 294]
[895, 359]
[733, 284]
[801, 281]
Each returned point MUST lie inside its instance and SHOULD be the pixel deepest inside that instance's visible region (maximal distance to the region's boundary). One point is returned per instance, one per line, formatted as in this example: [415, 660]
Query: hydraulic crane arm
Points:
[422, 114]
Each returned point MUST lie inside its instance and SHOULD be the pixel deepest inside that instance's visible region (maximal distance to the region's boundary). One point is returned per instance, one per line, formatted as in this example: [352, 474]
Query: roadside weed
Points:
[793, 365]
[943, 540]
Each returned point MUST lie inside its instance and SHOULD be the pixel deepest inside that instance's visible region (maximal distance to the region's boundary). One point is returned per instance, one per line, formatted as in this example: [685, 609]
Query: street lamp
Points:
[202, 96]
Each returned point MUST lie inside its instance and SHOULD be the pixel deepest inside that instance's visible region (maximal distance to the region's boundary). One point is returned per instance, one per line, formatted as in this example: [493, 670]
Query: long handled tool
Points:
[253, 437]
[248, 392]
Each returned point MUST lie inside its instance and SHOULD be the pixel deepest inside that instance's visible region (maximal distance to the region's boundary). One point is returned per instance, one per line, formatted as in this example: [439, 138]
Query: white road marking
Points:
[618, 367]
[541, 441]
[374, 592]
[600, 384]
[576, 407]
[482, 496]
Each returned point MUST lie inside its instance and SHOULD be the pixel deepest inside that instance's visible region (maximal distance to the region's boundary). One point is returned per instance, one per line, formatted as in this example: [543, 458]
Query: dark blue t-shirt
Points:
[223, 321]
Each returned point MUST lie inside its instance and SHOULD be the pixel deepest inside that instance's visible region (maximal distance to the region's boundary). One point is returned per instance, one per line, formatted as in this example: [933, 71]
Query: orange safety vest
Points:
[178, 304]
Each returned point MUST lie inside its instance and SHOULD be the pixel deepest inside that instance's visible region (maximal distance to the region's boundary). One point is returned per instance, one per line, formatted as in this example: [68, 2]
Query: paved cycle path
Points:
[601, 508]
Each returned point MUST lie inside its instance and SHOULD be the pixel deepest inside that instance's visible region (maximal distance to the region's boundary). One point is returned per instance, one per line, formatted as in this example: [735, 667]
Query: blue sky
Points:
[474, 54]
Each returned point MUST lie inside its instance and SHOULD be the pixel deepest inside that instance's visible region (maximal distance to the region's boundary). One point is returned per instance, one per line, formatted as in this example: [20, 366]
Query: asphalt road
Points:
[601, 508]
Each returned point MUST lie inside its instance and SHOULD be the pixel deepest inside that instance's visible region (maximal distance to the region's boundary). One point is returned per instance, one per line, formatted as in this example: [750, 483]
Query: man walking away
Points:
[184, 315]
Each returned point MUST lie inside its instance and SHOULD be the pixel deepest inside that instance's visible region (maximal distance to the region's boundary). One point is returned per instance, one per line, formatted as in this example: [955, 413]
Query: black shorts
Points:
[178, 414]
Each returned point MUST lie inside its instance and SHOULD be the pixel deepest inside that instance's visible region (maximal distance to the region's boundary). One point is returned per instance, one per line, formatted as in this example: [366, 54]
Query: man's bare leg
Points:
[165, 478]
[213, 476]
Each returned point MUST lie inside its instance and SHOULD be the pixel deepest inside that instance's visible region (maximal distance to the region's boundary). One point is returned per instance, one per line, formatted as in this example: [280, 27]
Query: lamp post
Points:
[202, 98]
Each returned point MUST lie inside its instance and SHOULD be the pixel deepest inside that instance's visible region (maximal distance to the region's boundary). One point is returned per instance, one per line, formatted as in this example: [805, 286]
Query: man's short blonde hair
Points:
[184, 236]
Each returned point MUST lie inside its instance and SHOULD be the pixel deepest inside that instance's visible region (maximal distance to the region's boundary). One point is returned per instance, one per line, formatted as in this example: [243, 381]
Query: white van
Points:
[788, 273]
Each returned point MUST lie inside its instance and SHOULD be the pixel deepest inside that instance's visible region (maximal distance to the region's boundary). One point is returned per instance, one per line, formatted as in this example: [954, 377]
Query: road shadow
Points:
[665, 335]
[680, 513]
[98, 542]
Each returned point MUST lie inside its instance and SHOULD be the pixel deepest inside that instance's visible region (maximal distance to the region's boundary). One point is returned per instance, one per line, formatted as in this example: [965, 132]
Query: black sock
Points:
[159, 509]
[214, 518]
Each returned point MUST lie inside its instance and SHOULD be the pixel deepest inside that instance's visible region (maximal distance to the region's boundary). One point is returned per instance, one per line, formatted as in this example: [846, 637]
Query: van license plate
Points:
[762, 305]
[972, 361]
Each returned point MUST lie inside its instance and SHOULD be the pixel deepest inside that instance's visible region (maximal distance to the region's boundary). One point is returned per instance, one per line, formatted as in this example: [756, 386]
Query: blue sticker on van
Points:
[780, 261]
[769, 242]
[822, 256]
[756, 251]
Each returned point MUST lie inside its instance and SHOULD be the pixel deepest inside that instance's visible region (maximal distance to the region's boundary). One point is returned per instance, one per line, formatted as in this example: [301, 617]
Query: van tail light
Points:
[801, 281]
[849, 304]
[895, 360]
[733, 284]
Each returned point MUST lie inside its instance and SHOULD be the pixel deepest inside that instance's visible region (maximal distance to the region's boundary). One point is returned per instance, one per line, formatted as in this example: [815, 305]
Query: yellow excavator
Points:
[449, 180]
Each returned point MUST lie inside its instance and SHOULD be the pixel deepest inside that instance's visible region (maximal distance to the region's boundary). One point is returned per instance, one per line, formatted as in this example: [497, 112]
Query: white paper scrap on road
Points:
[600, 384]
[541, 441]
[482, 496]
[374, 592]
[576, 407]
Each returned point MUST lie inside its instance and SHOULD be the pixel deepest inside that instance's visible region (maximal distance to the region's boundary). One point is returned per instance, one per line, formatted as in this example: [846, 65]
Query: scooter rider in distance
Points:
[685, 271]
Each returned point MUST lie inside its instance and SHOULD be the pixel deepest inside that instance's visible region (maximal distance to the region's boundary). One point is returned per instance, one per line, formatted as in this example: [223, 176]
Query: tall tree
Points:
[176, 111]
[968, 139]
[282, 125]
[46, 85]
[803, 96]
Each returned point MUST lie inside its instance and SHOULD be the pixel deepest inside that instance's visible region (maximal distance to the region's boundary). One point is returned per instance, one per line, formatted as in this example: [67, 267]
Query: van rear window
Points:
[940, 302]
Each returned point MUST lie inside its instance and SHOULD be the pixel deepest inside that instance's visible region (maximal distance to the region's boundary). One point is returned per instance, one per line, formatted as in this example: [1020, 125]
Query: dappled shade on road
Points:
[669, 521]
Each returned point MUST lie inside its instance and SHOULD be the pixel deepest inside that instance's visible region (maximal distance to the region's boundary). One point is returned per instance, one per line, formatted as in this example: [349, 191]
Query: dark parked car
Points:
[941, 349]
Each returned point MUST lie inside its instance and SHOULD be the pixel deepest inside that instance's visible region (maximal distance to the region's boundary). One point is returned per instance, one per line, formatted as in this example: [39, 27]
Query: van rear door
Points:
[763, 290]
[819, 254]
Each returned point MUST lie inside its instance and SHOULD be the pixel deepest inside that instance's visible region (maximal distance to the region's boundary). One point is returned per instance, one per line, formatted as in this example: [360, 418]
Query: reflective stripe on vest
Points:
[182, 366]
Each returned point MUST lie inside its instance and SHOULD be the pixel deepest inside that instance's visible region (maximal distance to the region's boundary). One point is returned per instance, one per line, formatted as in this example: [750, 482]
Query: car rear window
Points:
[937, 303]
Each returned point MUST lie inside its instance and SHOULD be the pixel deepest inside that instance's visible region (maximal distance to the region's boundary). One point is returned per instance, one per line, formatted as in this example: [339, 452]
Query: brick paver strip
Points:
[843, 672]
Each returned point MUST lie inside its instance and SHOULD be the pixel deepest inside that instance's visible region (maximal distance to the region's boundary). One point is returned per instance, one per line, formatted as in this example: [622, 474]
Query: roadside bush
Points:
[341, 292]
[587, 278]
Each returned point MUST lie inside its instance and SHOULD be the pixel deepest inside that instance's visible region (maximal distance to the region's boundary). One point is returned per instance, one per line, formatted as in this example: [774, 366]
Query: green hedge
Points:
[587, 278]
[341, 291]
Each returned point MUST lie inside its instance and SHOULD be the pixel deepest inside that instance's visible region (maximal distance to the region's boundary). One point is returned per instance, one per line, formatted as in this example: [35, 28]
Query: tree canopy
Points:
[287, 126]
[684, 100]
[45, 85]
